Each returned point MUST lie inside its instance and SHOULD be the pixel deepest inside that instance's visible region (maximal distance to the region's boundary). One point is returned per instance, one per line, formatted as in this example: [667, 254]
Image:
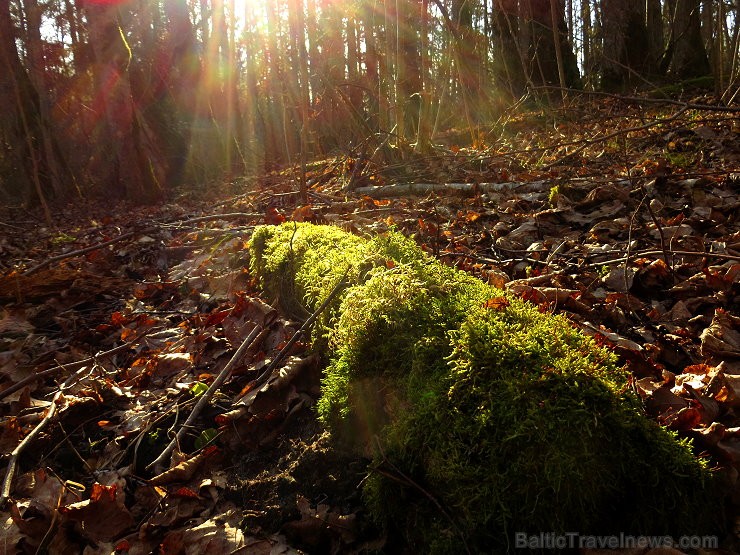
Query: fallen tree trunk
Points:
[406, 189]
[485, 417]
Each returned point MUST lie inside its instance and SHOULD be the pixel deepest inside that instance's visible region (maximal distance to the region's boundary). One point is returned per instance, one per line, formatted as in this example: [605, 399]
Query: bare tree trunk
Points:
[371, 57]
[354, 93]
[587, 40]
[409, 82]
[733, 59]
[22, 123]
[689, 56]
[625, 42]
[297, 20]
[314, 55]
[70, 14]
[389, 117]
[179, 88]
[277, 148]
[558, 46]
[205, 17]
[548, 33]
[511, 67]
[255, 122]
[654, 27]
[424, 131]
[128, 170]
[468, 60]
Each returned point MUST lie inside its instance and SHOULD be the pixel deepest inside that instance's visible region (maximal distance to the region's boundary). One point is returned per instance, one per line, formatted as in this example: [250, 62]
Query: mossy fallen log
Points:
[484, 416]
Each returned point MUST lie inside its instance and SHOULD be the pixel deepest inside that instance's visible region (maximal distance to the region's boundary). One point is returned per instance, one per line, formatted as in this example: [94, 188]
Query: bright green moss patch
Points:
[510, 419]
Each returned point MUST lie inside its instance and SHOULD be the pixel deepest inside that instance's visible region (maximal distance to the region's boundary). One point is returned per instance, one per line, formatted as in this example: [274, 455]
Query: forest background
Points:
[130, 99]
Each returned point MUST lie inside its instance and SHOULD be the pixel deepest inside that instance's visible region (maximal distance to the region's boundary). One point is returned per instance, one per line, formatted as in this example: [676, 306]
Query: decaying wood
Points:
[403, 189]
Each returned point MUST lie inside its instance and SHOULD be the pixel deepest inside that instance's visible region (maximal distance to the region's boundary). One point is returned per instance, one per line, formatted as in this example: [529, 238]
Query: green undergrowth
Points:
[484, 416]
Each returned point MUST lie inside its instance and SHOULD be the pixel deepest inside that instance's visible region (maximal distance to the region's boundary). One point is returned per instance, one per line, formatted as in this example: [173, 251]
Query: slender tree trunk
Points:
[277, 147]
[205, 18]
[388, 71]
[409, 82]
[734, 59]
[29, 142]
[297, 20]
[70, 15]
[467, 58]
[314, 55]
[545, 38]
[179, 88]
[655, 42]
[558, 45]
[254, 121]
[587, 40]
[424, 133]
[511, 66]
[371, 59]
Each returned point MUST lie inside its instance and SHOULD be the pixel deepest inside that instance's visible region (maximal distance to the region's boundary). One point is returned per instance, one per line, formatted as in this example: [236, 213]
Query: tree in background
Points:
[129, 163]
[533, 44]
[131, 98]
[688, 55]
[32, 155]
[625, 43]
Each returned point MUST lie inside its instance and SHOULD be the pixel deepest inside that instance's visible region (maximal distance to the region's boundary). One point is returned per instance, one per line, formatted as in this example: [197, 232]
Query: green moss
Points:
[510, 419]
[299, 264]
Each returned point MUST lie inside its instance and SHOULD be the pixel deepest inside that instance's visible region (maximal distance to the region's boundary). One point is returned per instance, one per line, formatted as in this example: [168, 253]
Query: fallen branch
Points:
[403, 189]
[644, 100]
[78, 252]
[584, 143]
[655, 252]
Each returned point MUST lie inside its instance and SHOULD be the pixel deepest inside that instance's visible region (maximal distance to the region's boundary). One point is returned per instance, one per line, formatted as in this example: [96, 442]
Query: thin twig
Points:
[78, 252]
[13, 461]
[639, 254]
[259, 380]
[587, 142]
[207, 396]
[128, 235]
[71, 366]
[661, 233]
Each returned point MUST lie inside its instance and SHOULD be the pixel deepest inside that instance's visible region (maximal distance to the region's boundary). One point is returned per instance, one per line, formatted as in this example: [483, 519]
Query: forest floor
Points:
[623, 216]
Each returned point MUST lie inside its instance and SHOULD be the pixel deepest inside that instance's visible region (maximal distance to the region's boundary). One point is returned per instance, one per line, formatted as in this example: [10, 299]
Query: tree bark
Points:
[625, 42]
[689, 55]
[526, 30]
[654, 27]
[125, 153]
[409, 82]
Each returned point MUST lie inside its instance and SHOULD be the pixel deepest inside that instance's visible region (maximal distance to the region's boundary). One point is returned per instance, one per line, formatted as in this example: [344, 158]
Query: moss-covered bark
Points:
[510, 418]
